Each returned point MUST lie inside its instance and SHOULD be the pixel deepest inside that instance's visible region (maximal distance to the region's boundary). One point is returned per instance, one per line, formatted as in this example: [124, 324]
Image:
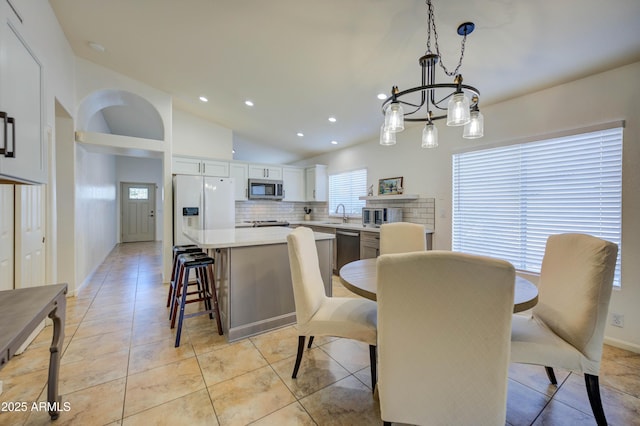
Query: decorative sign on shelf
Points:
[390, 186]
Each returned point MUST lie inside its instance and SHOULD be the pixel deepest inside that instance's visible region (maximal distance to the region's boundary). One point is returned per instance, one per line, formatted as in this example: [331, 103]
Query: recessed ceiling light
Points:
[96, 46]
[248, 103]
[382, 96]
[332, 119]
[300, 134]
[334, 142]
[203, 99]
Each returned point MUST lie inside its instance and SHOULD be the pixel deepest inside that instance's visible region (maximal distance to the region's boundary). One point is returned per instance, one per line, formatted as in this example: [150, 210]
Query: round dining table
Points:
[360, 277]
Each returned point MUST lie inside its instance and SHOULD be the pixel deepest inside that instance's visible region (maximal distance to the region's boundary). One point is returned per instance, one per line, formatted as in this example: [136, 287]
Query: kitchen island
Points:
[255, 293]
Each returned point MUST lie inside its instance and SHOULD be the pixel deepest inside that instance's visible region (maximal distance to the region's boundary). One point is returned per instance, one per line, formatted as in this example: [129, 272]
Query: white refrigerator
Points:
[202, 202]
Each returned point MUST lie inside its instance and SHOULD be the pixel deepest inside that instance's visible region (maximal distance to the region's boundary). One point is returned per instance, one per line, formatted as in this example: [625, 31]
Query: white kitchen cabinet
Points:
[239, 172]
[215, 168]
[293, 183]
[199, 166]
[317, 183]
[265, 171]
[22, 148]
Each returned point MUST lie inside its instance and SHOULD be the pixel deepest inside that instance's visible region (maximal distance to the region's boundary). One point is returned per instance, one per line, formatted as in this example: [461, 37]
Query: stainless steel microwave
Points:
[378, 216]
[265, 189]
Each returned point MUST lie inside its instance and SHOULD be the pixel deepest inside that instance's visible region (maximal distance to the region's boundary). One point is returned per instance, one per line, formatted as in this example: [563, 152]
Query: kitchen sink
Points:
[332, 222]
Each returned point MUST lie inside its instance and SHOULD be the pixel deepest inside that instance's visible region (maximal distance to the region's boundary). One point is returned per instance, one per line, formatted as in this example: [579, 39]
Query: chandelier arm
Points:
[425, 119]
[430, 87]
[437, 86]
[412, 112]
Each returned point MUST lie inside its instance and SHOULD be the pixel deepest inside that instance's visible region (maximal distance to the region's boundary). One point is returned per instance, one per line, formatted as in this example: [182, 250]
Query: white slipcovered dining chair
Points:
[402, 237]
[566, 328]
[444, 322]
[320, 315]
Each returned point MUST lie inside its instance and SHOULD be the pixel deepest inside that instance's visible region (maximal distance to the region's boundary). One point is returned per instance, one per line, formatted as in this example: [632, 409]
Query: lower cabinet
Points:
[369, 245]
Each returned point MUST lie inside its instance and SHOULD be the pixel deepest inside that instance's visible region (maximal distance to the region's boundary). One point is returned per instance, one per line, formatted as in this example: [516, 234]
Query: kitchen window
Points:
[508, 200]
[346, 188]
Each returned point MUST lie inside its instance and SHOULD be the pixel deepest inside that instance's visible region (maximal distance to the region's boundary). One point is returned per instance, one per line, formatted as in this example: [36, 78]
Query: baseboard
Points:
[90, 274]
[622, 344]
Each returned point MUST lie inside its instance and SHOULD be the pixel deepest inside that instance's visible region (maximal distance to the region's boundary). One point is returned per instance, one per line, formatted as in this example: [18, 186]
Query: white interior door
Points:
[6, 237]
[138, 203]
[29, 236]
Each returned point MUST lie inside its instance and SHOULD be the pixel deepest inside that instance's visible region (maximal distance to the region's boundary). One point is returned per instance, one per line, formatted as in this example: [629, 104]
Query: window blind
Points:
[345, 188]
[508, 200]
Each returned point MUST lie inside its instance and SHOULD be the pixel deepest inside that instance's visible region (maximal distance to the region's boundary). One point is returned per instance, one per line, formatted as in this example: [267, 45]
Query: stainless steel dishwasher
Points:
[348, 247]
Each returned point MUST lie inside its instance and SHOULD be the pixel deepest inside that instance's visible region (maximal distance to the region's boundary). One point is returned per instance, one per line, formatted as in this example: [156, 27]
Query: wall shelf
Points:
[389, 197]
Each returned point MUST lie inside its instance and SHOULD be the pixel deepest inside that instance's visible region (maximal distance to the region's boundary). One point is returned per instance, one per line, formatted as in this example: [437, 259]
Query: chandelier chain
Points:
[431, 23]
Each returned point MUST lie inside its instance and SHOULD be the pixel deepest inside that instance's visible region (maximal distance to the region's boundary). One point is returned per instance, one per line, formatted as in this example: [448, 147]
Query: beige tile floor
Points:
[120, 366]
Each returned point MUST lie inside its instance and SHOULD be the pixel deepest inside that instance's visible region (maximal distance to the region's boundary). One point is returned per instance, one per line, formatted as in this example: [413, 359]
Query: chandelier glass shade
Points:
[431, 101]
[394, 118]
[458, 113]
[387, 137]
[429, 136]
[475, 127]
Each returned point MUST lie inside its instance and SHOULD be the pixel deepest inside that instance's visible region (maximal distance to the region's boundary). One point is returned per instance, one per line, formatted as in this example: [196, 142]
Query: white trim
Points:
[622, 344]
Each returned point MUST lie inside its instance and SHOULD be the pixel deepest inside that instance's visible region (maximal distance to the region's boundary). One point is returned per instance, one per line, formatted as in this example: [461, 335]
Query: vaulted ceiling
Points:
[302, 61]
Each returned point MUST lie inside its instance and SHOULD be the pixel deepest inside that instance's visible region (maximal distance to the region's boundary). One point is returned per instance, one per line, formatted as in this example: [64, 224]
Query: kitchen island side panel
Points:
[260, 291]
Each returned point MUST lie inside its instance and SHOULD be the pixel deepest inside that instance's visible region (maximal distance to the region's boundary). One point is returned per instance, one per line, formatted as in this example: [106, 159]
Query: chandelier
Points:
[421, 101]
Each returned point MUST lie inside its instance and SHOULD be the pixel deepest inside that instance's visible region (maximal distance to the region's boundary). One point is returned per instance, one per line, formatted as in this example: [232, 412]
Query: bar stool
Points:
[178, 250]
[207, 293]
[179, 277]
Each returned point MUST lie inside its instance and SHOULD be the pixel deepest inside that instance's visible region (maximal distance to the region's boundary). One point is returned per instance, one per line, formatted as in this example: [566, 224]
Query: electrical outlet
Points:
[617, 320]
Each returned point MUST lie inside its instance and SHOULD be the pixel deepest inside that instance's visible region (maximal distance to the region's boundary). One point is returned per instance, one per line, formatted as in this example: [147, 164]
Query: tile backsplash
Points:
[420, 210]
[247, 211]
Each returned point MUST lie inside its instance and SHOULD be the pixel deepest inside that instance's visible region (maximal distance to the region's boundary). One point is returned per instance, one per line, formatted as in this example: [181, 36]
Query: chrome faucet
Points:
[344, 213]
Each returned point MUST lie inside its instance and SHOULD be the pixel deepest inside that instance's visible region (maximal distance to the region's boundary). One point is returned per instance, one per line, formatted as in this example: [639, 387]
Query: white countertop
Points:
[244, 237]
[339, 225]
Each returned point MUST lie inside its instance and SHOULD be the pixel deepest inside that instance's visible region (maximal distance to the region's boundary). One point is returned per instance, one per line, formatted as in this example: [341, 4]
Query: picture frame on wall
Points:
[390, 186]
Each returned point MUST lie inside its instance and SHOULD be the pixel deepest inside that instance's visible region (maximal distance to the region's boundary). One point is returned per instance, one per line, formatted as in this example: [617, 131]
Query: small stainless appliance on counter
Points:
[376, 216]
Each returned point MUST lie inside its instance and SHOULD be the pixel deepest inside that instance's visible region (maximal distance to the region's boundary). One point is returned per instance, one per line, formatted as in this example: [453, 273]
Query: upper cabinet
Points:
[22, 148]
[317, 183]
[299, 184]
[265, 171]
[293, 184]
[198, 166]
[239, 172]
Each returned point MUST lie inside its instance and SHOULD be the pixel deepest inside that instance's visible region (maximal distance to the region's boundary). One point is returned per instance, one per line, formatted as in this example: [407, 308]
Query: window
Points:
[345, 188]
[138, 193]
[508, 200]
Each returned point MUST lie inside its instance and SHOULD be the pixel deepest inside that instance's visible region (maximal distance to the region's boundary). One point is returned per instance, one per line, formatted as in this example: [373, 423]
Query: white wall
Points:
[194, 136]
[96, 211]
[602, 98]
[64, 202]
[90, 78]
[141, 170]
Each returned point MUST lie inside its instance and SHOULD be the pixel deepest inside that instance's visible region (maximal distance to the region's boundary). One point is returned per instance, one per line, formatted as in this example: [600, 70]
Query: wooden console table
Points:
[21, 311]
